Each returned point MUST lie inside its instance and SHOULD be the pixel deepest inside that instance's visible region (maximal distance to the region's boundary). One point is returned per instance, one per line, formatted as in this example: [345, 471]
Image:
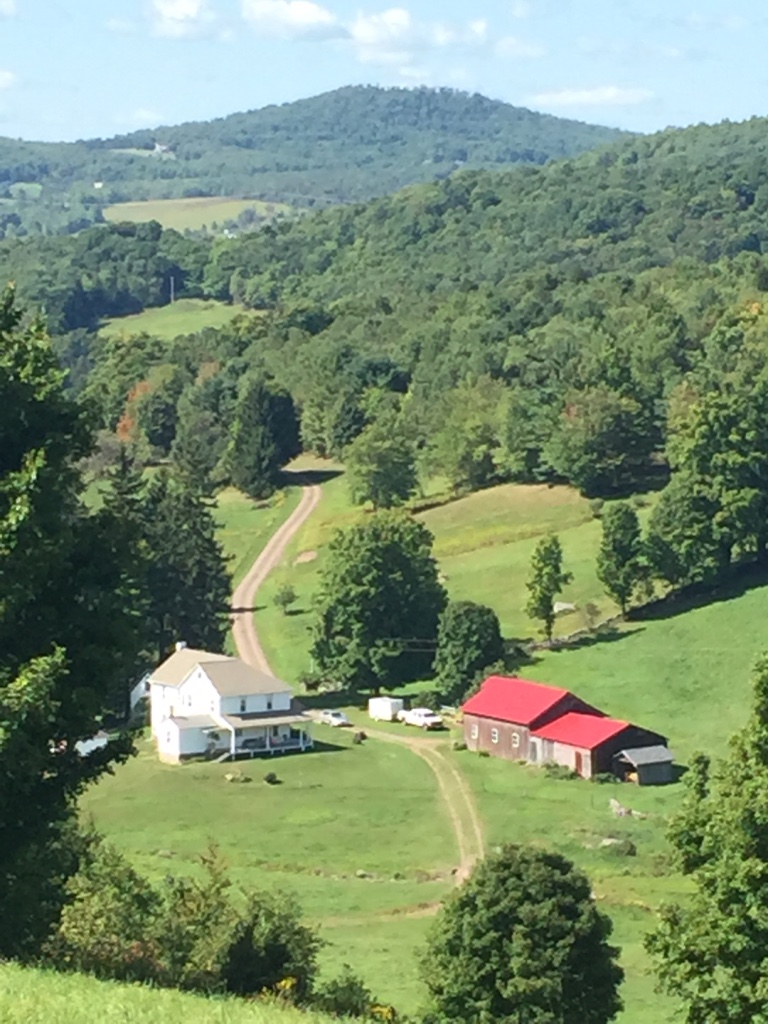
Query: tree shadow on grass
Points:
[523, 654]
[240, 609]
[740, 581]
[307, 477]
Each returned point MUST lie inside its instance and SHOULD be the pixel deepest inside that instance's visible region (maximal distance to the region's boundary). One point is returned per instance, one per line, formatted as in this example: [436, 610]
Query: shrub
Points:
[559, 771]
[345, 996]
[596, 507]
[182, 933]
[432, 699]
[359, 737]
[271, 779]
[459, 745]
[603, 778]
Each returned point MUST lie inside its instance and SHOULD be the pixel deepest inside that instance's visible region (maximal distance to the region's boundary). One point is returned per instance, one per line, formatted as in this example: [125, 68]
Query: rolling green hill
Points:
[342, 146]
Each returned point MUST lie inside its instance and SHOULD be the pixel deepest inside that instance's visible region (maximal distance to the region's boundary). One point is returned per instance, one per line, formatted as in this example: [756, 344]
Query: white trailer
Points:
[385, 709]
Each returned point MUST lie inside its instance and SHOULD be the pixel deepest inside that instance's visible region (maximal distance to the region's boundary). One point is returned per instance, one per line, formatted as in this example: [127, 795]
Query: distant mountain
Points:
[352, 144]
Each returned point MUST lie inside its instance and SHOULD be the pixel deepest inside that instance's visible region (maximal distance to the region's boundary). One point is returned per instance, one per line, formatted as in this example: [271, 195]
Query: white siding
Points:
[255, 703]
[193, 741]
[198, 696]
[168, 741]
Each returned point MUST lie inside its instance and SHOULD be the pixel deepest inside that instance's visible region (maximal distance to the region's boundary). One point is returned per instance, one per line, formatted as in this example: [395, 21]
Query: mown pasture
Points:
[193, 214]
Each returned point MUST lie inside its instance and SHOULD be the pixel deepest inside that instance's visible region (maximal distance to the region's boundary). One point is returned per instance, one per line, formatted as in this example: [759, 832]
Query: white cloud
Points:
[292, 19]
[394, 36]
[602, 96]
[7, 8]
[180, 19]
[521, 9]
[511, 46]
[7, 79]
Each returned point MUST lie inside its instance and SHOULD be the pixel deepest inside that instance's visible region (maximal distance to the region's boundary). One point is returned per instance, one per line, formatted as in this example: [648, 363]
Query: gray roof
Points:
[233, 678]
[195, 722]
[270, 718]
[175, 669]
[648, 755]
[230, 676]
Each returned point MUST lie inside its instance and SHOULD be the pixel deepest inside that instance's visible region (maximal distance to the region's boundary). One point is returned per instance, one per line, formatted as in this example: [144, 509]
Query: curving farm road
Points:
[243, 627]
[455, 793]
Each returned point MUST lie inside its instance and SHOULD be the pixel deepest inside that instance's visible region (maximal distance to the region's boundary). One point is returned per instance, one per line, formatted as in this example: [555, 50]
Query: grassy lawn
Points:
[245, 525]
[193, 214]
[42, 997]
[339, 810]
[185, 316]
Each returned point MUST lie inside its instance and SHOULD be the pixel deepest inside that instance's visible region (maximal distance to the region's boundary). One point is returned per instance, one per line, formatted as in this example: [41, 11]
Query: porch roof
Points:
[195, 722]
[293, 717]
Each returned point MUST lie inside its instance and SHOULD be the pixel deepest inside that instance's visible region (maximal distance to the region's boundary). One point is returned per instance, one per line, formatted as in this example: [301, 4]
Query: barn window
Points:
[515, 739]
[494, 735]
[474, 732]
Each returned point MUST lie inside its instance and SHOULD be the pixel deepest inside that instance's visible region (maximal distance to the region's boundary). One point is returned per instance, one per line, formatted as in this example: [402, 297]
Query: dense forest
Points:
[347, 145]
[578, 322]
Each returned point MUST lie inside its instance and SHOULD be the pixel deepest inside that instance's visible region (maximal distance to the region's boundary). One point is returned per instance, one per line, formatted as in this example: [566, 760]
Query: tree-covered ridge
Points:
[347, 145]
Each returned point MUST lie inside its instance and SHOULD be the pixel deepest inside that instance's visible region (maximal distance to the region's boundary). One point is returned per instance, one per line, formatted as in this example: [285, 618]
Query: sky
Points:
[84, 68]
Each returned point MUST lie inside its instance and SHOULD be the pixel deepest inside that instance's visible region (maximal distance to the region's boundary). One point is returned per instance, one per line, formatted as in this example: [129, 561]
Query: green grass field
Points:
[192, 214]
[185, 316]
[245, 526]
[339, 810]
[42, 997]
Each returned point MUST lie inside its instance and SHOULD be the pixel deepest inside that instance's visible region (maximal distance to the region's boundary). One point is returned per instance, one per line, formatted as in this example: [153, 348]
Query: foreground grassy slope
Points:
[186, 316]
[42, 997]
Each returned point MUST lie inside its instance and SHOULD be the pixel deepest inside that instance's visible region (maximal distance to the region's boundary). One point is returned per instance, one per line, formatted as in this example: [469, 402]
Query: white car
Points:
[334, 718]
[422, 718]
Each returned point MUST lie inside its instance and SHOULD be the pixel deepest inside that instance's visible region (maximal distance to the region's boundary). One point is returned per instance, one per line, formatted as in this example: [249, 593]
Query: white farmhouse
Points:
[204, 703]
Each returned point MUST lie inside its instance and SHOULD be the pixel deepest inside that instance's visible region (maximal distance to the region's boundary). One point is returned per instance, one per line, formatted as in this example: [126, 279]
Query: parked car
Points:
[422, 718]
[334, 718]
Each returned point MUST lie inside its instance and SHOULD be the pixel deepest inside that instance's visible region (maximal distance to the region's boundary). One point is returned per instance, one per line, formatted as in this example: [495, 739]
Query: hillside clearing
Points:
[185, 316]
[193, 214]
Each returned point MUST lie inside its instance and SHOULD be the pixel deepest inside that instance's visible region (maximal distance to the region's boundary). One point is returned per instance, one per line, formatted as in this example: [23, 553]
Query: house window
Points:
[474, 732]
[189, 700]
[494, 735]
[213, 706]
[243, 705]
[275, 731]
[515, 739]
[269, 703]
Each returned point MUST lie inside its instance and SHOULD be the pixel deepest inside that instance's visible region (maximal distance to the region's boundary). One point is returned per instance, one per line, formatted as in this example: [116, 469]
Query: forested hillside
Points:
[342, 146]
[573, 322]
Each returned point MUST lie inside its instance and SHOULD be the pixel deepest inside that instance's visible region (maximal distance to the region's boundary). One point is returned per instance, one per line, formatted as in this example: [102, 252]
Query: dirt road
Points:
[454, 791]
[243, 629]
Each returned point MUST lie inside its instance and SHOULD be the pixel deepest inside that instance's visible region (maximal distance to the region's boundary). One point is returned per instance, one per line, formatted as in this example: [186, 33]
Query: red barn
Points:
[524, 721]
[503, 716]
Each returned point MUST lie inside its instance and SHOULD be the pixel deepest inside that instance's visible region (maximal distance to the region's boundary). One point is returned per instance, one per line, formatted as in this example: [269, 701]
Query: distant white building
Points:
[203, 703]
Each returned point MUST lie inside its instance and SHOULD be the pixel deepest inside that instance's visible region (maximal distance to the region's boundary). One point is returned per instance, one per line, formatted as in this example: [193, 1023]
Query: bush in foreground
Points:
[183, 933]
[522, 942]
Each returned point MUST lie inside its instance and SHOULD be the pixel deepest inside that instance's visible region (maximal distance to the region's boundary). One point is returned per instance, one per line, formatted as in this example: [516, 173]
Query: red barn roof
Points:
[509, 699]
[580, 730]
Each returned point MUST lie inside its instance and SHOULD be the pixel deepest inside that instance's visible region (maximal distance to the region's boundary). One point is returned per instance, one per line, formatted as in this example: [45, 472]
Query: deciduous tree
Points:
[710, 952]
[379, 603]
[468, 640]
[522, 942]
[380, 465]
[546, 581]
[619, 561]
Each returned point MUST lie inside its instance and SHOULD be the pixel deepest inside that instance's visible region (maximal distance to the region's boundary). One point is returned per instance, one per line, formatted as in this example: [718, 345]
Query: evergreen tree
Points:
[546, 581]
[522, 942]
[468, 641]
[188, 584]
[264, 437]
[68, 637]
[619, 561]
[710, 952]
[379, 603]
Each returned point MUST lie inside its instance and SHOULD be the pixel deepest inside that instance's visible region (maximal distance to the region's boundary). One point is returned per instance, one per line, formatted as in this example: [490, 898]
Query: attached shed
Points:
[589, 744]
[647, 766]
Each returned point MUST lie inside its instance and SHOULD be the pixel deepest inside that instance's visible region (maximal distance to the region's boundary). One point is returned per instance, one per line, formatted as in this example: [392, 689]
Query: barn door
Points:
[579, 763]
